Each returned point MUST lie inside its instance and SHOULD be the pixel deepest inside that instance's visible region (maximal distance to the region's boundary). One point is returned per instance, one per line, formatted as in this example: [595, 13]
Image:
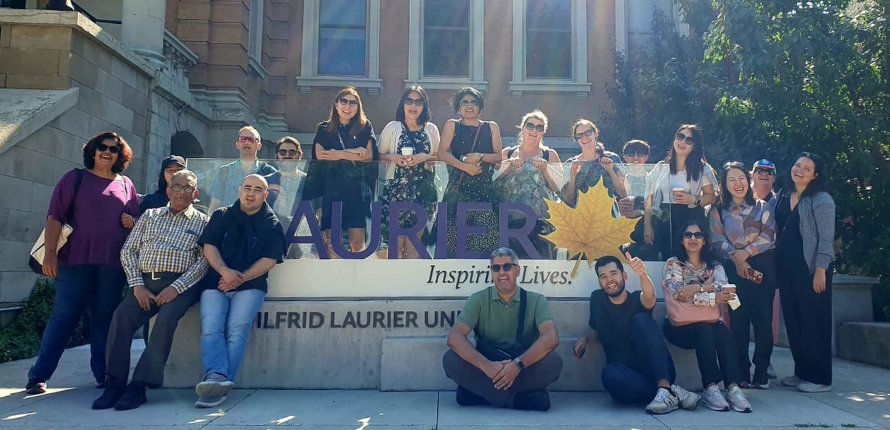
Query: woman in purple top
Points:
[88, 269]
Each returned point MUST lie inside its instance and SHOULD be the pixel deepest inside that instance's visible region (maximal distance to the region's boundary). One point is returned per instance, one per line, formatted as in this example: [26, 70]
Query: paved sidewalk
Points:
[861, 399]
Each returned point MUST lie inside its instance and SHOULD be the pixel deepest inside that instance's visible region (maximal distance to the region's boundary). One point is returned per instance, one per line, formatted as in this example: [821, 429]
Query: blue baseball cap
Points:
[764, 164]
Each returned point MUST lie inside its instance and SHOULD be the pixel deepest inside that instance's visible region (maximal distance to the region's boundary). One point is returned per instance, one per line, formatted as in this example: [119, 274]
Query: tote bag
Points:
[683, 313]
[38, 251]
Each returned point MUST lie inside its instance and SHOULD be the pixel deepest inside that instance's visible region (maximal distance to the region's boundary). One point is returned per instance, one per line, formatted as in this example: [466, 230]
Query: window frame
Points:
[578, 83]
[622, 23]
[476, 76]
[255, 40]
[309, 76]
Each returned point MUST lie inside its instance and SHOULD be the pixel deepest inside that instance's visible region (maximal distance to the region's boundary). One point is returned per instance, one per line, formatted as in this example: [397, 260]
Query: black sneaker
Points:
[761, 381]
[466, 397]
[533, 401]
[114, 389]
[35, 386]
[133, 397]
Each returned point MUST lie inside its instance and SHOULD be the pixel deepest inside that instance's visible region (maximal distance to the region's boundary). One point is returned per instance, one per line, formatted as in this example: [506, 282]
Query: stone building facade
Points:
[181, 76]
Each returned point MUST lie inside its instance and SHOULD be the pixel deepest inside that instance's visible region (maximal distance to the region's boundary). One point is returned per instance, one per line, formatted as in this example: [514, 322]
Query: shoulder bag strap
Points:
[472, 148]
[78, 179]
[523, 304]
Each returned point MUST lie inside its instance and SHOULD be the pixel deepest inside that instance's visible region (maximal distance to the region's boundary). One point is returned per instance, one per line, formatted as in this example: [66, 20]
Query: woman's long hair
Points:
[425, 114]
[680, 251]
[358, 121]
[696, 160]
[123, 157]
[725, 196]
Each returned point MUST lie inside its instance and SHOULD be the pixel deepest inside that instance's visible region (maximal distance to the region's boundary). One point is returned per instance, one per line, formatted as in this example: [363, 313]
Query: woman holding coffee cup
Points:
[744, 232]
[679, 188]
[407, 144]
[805, 214]
[696, 279]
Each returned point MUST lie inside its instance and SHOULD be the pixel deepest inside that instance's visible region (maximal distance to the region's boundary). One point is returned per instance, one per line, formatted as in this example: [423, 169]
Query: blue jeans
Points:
[97, 286]
[637, 382]
[226, 319]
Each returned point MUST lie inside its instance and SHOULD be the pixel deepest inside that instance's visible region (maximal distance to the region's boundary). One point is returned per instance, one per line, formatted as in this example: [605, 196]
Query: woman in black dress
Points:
[346, 143]
[471, 148]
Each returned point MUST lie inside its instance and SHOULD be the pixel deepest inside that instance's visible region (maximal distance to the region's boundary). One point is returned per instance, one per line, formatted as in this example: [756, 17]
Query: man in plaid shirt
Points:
[163, 262]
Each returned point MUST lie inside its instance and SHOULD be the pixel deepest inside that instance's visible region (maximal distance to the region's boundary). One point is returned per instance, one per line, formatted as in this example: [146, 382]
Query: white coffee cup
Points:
[407, 151]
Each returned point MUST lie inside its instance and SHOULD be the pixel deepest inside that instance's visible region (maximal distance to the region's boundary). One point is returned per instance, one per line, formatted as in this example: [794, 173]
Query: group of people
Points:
[172, 255]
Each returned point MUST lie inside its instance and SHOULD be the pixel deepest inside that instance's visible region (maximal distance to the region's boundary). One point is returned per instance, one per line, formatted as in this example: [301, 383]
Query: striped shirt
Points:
[163, 241]
[744, 227]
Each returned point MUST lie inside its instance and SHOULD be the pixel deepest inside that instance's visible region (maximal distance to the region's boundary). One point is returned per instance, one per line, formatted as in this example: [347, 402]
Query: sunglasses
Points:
[112, 149]
[694, 235]
[247, 139]
[588, 133]
[344, 101]
[465, 103]
[506, 266]
[684, 138]
[188, 189]
[291, 152]
[636, 154]
[770, 172]
[416, 102]
[529, 126]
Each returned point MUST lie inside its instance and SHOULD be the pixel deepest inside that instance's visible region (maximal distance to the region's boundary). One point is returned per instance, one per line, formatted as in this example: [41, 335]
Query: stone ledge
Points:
[23, 112]
[864, 342]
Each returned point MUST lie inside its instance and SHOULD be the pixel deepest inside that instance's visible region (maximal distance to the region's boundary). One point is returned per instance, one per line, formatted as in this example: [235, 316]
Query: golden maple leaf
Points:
[589, 230]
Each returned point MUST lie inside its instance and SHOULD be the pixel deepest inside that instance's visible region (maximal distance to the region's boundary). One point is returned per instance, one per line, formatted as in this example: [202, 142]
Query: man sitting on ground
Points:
[513, 362]
[242, 242]
[163, 262]
[639, 365]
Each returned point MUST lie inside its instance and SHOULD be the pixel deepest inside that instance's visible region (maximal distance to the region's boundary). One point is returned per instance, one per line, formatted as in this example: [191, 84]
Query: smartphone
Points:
[754, 275]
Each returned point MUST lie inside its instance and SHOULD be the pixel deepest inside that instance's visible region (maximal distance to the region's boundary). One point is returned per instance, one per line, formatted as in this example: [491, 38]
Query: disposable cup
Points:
[407, 151]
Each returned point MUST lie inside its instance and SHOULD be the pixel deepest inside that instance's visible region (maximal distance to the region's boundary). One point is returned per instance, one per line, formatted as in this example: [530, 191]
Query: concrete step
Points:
[867, 342]
[415, 364]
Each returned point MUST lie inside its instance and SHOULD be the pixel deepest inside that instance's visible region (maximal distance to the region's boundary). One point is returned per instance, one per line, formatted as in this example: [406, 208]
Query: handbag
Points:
[38, 251]
[683, 313]
[494, 353]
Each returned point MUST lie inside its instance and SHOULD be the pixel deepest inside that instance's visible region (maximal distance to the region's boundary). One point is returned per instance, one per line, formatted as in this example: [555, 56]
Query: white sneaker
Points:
[791, 381]
[737, 400]
[713, 399]
[688, 400]
[809, 387]
[663, 402]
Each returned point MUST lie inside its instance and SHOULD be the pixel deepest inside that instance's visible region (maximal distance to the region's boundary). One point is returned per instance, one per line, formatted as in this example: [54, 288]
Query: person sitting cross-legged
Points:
[513, 362]
[639, 365]
[242, 243]
[163, 262]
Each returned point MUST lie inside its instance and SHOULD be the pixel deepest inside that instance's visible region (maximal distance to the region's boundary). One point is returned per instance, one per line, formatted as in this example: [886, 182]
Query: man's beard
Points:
[618, 292]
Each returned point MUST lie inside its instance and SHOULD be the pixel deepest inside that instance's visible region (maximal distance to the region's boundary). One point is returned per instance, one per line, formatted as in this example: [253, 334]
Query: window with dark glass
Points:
[342, 37]
[548, 39]
[446, 38]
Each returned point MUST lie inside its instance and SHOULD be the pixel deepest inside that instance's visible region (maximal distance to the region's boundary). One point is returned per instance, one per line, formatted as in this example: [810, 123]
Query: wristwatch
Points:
[519, 363]
[697, 201]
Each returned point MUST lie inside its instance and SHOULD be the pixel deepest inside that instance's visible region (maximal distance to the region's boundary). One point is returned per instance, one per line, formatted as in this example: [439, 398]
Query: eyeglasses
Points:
[416, 102]
[188, 189]
[588, 133]
[506, 266]
[636, 154]
[770, 172]
[112, 149]
[694, 235]
[247, 139]
[291, 152]
[529, 126]
[344, 101]
[684, 138]
[465, 103]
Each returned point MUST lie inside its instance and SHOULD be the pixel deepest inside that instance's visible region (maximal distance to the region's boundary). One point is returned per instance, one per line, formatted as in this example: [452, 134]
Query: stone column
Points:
[142, 28]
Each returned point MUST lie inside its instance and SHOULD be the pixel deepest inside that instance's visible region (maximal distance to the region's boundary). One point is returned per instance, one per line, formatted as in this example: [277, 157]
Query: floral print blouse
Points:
[680, 274]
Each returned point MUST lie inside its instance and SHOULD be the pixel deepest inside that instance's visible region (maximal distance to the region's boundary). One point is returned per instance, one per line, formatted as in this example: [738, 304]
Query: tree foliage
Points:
[769, 79]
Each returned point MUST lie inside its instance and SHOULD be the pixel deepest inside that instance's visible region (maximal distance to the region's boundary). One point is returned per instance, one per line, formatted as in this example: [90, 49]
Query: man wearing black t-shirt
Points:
[639, 365]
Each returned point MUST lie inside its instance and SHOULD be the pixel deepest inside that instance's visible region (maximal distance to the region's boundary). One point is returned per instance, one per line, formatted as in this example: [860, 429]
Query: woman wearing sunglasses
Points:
[744, 232]
[678, 189]
[407, 144]
[526, 176]
[471, 147]
[345, 143]
[100, 205]
[593, 164]
[695, 279]
[805, 214]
